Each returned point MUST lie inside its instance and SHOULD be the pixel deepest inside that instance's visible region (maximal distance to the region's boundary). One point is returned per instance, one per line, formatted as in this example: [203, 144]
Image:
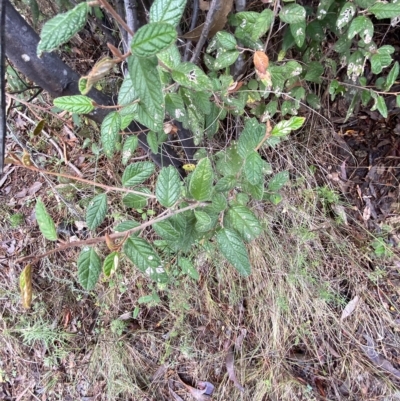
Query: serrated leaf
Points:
[346, 14]
[78, 104]
[226, 40]
[146, 81]
[379, 62]
[251, 137]
[167, 11]
[62, 28]
[136, 173]
[203, 221]
[323, 8]
[153, 38]
[129, 148]
[226, 183]
[110, 128]
[187, 267]
[201, 181]
[278, 181]
[299, 32]
[170, 57]
[382, 10]
[89, 268]
[219, 202]
[25, 285]
[234, 250]
[168, 187]
[256, 191]
[127, 93]
[262, 24]
[45, 222]
[253, 167]
[110, 263]
[243, 220]
[145, 259]
[229, 161]
[392, 76]
[283, 128]
[192, 77]
[152, 141]
[292, 14]
[126, 225]
[136, 201]
[363, 26]
[167, 230]
[96, 211]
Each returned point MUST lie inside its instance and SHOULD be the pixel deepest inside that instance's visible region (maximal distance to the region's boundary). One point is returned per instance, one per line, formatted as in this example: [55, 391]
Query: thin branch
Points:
[85, 181]
[121, 234]
[195, 15]
[117, 17]
[2, 83]
[214, 7]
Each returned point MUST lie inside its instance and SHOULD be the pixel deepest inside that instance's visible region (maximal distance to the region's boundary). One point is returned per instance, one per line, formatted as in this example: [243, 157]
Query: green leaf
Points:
[203, 221]
[379, 61]
[201, 181]
[299, 32]
[256, 191]
[382, 10]
[355, 65]
[253, 167]
[226, 183]
[314, 71]
[96, 211]
[110, 263]
[126, 225]
[219, 202]
[392, 76]
[168, 187]
[167, 230]
[152, 141]
[175, 106]
[229, 162]
[145, 259]
[136, 173]
[398, 100]
[251, 137]
[127, 93]
[346, 14]
[78, 104]
[187, 267]
[110, 132]
[226, 40]
[129, 148]
[62, 28]
[314, 101]
[192, 77]
[170, 57]
[278, 181]
[45, 222]
[89, 268]
[167, 11]
[323, 8]
[362, 26]
[292, 14]
[284, 127]
[146, 81]
[262, 24]
[136, 201]
[234, 250]
[379, 105]
[153, 38]
[223, 60]
[243, 220]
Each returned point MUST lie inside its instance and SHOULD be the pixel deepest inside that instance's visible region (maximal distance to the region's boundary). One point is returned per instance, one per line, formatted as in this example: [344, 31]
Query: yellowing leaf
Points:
[25, 284]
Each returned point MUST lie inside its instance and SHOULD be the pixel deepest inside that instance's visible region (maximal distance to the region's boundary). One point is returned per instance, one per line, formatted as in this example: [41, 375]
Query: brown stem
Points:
[116, 16]
[95, 184]
[122, 234]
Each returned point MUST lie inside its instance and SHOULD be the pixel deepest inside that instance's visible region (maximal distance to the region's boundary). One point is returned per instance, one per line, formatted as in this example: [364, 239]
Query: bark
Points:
[55, 77]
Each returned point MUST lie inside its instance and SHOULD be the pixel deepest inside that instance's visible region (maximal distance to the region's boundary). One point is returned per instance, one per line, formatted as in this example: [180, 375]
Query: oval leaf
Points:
[253, 168]
[46, 223]
[78, 104]
[153, 38]
[130, 145]
[201, 182]
[234, 250]
[243, 220]
[136, 173]
[109, 132]
[168, 187]
[110, 264]
[96, 211]
[145, 259]
[61, 28]
[89, 268]
[192, 77]
[167, 11]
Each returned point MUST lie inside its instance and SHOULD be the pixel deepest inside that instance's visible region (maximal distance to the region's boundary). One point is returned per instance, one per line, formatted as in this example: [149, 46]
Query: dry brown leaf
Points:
[203, 394]
[349, 309]
[220, 19]
[231, 370]
[25, 284]
[261, 62]
[34, 187]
